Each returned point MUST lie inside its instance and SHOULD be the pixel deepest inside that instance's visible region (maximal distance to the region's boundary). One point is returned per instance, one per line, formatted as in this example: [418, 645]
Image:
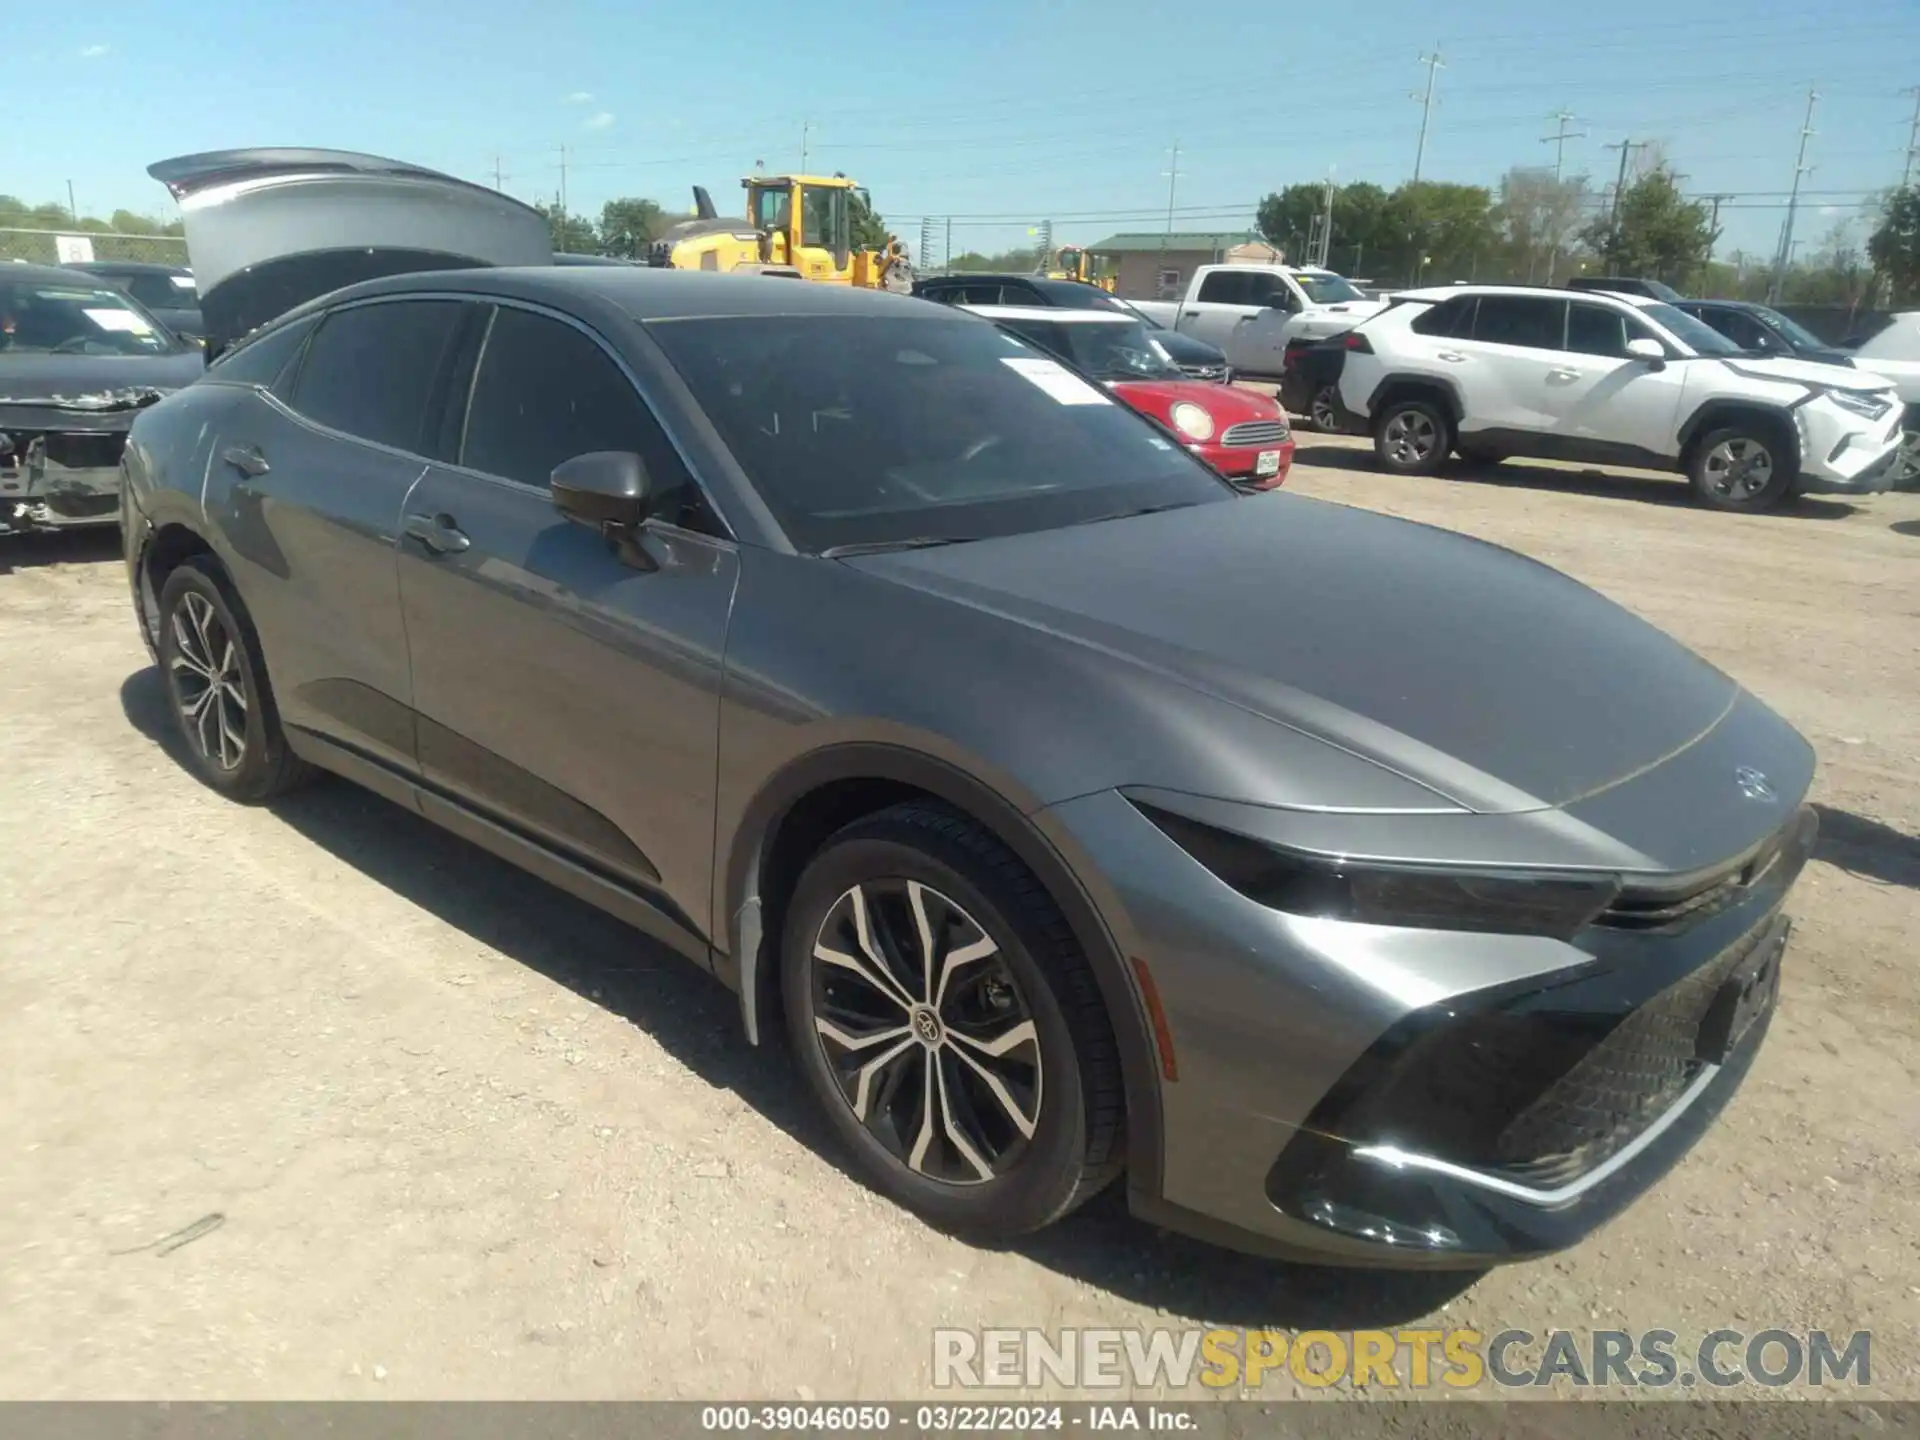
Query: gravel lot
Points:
[471, 1138]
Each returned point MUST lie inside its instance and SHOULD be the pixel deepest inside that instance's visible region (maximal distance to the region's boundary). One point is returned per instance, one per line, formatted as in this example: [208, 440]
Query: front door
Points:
[567, 688]
[1609, 404]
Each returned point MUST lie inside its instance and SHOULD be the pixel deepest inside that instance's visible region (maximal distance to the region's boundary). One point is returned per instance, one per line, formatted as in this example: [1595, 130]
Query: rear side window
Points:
[1450, 319]
[156, 290]
[546, 392]
[1524, 320]
[370, 371]
[263, 361]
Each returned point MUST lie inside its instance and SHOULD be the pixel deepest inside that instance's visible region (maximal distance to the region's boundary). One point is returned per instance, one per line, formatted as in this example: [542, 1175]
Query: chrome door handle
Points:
[1452, 357]
[1563, 374]
[248, 461]
[438, 533]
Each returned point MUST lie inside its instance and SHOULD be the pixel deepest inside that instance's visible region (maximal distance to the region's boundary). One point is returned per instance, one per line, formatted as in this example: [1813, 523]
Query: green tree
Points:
[1536, 216]
[1451, 232]
[628, 225]
[1895, 245]
[1657, 232]
[1366, 224]
[869, 229]
[572, 234]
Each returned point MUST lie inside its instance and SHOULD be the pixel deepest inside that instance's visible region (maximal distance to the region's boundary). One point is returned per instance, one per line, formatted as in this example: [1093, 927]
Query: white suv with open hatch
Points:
[1489, 371]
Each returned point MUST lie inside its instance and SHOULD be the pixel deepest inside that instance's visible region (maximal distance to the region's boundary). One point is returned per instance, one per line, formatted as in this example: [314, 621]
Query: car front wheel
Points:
[216, 686]
[1412, 437]
[949, 1026]
[1742, 467]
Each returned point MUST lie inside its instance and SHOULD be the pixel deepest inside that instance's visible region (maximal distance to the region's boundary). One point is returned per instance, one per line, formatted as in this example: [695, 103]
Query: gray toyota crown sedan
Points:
[1364, 892]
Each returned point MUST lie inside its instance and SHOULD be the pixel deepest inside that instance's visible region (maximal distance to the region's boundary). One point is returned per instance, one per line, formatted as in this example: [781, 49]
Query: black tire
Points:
[236, 749]
[1063, 1080]
[1749, 466]
[1479, 454]
[1412, 436]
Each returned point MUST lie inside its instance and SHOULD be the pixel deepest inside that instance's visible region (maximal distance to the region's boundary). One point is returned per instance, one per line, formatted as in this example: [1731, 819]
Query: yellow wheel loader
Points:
[796, 225]
[1070, 262]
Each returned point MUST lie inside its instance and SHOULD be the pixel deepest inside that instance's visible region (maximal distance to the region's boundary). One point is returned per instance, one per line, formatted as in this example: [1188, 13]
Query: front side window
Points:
[1796, 335]
[877, 430]
[545, 392]
[1527, 321]
[77, 319]
[157, 290]
[1597, 330]
[370, 370]
[1696, 335]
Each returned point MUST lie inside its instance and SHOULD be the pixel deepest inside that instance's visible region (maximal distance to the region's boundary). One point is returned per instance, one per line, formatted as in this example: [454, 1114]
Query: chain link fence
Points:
[55, 247]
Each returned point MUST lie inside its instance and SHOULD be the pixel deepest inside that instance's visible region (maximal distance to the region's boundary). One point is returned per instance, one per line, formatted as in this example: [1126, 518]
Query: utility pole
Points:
[1800, 171]
[1559, 142]
[947, 259]
[1434, 66]
[1627, 149]
[1324, 251]
[1713, 225]
[1913, 138]
[499, 175]
[806, 134]
[1173, 182]
[563, 183]
[73, 210]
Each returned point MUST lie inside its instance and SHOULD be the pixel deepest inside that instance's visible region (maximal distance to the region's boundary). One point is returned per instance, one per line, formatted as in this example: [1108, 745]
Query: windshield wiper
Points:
[876, 547]
[1143, 510]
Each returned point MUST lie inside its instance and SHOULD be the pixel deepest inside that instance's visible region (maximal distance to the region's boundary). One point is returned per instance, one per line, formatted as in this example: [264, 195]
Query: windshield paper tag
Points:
[1059, 382]
[124, 320]
[184, 282]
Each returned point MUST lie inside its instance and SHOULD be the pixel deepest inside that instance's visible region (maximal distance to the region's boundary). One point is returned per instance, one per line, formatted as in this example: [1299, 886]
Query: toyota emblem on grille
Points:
[1752, 783]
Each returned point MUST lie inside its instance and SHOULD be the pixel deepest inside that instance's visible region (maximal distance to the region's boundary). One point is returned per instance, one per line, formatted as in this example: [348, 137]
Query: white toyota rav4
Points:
[1489, 371]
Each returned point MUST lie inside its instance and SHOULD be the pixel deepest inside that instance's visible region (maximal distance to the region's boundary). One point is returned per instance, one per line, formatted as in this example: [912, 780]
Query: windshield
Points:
[1105, 351]
[56, 319]
[1696, 335]
[1327, 289]
[1797, 334]
[861, 430]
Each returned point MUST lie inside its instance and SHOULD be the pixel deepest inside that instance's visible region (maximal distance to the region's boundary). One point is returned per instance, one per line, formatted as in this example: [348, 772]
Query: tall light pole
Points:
[1559, 142]
[1434, 66]
[1800, 171]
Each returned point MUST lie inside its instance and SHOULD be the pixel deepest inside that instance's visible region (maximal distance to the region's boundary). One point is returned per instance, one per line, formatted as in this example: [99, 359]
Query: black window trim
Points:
[729, 535]
[296, 368]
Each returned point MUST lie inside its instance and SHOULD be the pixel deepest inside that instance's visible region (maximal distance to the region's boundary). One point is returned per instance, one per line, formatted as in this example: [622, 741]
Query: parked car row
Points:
[1073, 813]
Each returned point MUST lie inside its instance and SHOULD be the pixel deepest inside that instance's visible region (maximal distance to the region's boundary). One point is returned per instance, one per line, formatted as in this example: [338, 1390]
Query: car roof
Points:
[1433, 295]
[129, 267]
[1052, 314]
[46, 274]
[646, 293]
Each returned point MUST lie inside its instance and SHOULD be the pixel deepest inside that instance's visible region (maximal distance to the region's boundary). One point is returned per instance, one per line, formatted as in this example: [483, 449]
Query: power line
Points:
[1434, 66]
[1800, 170]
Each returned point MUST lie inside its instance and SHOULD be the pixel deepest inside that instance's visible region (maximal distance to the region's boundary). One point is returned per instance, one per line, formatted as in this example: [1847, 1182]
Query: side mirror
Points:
[604, 487]
[1652, 351]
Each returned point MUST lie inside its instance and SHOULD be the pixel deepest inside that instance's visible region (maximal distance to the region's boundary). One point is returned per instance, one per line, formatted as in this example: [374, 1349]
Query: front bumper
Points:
[1241, 463]
[1365, 1095]
[59, 470]
[1840, 456]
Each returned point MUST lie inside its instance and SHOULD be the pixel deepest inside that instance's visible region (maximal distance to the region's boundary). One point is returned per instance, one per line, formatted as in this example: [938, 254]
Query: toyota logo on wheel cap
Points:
[1752, 783]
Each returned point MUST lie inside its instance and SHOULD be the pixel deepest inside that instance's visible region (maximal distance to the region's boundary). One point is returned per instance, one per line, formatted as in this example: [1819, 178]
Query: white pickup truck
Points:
[1895, 353]
[1252, 311]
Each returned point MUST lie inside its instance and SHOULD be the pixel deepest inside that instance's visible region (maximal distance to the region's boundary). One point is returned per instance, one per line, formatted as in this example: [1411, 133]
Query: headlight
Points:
[1191, 421]
[1507, 903]
[1871, 407]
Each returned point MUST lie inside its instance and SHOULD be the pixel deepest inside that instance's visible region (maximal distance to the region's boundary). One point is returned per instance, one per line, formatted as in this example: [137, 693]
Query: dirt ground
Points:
[471, 1138]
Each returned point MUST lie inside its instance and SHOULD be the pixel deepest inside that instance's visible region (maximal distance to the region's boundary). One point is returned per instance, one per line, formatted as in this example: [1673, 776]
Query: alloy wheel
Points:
[1906, 464]
[1321, 411]
[1411, 437]
[207, 682]
[925, 1031]
[1739, 469]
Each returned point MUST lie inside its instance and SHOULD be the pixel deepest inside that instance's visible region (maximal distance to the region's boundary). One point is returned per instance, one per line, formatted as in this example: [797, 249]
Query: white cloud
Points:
[598, 121]
[92, 52]
[1829, 209]
[580, 97]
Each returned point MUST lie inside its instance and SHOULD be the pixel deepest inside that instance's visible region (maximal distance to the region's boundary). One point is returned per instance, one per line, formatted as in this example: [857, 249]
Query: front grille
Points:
[1215, 373]
[1620, 1086]
[1255, 432]
[1646, 909]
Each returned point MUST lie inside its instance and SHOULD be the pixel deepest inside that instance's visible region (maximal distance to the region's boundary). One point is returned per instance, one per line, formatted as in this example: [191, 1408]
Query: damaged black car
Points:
[78, 360]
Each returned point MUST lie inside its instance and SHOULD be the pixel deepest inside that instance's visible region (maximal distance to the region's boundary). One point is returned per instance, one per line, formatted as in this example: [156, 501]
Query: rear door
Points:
[1219, 305]
[306, 484]
[1504, 368]
[567, 687]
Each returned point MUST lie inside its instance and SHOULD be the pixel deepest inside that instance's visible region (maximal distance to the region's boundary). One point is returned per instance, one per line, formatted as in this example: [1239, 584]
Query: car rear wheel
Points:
[949, 1026]
[1324, 410]
[1412, 437]
[1744, 466]
[217, 690]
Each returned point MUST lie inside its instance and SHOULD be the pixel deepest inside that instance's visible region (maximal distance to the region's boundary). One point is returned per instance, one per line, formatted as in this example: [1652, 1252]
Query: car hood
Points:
[80, 381]
[1227, 404]
[1493, 679]
[1807, 372]
[271, 229]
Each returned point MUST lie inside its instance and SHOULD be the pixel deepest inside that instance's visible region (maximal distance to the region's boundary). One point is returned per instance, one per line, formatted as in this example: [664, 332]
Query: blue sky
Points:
[1011, 114]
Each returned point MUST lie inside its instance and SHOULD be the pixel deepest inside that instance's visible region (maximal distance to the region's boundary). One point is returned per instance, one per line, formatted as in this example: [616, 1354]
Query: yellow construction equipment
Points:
[795, 225]
[1070, 262]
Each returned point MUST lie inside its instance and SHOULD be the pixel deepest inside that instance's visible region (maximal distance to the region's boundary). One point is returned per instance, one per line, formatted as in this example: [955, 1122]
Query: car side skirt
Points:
[1535, 445]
